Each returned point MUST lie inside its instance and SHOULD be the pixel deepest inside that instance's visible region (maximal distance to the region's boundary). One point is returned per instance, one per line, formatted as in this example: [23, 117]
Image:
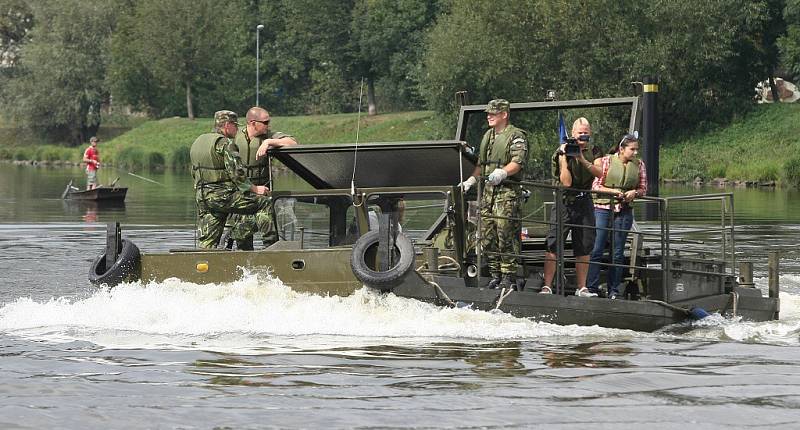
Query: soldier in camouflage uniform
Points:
[502, 157]
[253, 142]
[221, 184]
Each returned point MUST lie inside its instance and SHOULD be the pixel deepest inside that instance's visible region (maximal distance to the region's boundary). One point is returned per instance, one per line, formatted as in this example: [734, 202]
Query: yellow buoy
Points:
[202, 267]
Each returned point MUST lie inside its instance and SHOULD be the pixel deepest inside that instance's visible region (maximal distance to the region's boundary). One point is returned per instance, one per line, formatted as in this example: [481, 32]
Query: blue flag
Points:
[562, 129]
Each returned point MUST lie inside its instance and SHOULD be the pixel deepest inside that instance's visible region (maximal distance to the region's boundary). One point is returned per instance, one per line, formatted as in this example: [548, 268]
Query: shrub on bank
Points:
[759, 170]
[130, 158]
[51, 154]
[685, 166]
[154, 160]
[179, 158]
[717, 170]
[791, 171]
[22, 154]
[45, 153]
[137, 158]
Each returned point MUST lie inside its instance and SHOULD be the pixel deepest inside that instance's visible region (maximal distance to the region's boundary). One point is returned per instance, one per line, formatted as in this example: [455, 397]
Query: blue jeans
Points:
[623, 221]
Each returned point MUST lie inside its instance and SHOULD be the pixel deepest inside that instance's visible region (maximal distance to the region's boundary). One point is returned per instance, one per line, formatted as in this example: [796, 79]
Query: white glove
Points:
[497, 176]
[466, 185]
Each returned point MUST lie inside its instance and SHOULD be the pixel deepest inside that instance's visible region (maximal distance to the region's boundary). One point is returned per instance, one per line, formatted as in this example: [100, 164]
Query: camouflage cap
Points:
[497, 106]
[223, 116]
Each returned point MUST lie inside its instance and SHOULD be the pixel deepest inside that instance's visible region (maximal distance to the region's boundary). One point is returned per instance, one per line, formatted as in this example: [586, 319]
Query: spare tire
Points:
[366, 248]
[126, 268]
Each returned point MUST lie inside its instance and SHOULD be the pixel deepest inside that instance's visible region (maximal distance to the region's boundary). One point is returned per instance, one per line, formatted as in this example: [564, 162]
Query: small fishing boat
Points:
[104, 193]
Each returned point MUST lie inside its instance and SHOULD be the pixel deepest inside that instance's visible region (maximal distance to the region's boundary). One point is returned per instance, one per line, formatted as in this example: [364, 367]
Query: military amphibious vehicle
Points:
[390, 216]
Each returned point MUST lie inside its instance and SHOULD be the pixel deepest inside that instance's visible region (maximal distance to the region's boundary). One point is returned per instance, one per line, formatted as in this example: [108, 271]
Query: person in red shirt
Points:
[92, 159]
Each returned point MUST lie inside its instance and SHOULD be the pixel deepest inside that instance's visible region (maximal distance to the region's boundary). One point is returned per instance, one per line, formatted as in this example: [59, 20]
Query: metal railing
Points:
[668, 242]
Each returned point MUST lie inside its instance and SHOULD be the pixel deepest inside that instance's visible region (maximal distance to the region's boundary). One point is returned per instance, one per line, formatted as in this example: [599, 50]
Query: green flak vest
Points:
[620, 175]
[257, 169]
[495, 152]
[208, 166]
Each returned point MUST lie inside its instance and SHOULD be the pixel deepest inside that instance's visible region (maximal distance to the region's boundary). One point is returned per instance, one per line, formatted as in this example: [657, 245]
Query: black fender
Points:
[125, 268]
[366, 246]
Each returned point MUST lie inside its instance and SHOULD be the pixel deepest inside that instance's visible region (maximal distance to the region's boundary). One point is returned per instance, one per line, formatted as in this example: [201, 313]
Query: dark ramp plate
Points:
[390, 164]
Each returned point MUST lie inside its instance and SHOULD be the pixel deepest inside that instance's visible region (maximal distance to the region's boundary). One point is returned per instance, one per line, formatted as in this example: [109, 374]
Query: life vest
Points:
[621, 176]
[257, 169]
[208, 164]
[496, 149]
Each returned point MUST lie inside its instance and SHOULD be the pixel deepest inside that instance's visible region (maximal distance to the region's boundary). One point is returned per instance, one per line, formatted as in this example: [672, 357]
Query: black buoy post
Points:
[113, 243]
[651, 141]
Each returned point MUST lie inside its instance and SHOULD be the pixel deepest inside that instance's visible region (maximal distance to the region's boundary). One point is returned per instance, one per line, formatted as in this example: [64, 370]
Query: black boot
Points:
[494, 282]
[509, 281]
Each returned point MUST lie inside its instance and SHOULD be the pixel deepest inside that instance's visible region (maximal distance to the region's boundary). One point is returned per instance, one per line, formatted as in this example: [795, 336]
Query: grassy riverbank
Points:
[166, 142]
[761, 146]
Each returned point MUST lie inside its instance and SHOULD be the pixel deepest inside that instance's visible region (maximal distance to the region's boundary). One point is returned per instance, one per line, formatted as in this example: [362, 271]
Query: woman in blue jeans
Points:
[625, 176]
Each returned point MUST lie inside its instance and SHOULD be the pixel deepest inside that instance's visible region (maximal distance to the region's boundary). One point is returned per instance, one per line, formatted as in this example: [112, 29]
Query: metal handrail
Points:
[665, 235]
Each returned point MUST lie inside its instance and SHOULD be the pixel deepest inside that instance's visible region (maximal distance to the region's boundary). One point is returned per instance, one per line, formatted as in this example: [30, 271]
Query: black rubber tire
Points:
[382, 281]
[126, 268]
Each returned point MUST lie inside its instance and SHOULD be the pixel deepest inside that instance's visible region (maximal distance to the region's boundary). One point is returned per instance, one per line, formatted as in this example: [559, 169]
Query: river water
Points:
[255, 354]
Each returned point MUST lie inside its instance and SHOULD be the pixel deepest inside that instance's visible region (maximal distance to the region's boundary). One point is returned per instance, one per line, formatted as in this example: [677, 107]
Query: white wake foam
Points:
[784, 331]
[260, 314]
[257, 311]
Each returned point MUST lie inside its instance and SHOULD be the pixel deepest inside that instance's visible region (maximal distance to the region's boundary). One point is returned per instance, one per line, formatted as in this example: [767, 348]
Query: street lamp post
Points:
[258, 75]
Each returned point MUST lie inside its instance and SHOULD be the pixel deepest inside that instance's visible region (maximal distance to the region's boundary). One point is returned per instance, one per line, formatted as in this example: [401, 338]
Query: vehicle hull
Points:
[327, 272]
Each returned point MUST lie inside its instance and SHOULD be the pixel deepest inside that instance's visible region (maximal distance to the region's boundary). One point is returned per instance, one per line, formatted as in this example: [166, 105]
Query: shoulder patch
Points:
[518, 140]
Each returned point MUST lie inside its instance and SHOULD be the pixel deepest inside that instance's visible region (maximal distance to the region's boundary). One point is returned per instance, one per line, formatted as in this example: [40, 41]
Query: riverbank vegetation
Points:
[67, 71]
[761, 146]
[166, 142]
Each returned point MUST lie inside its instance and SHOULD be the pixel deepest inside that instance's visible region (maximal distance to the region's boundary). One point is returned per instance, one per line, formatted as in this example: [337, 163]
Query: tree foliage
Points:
[596, 48]
[59, 82]
[789, 43]
[387, 36]
[305, 56]
[16, 21]
[171, 57]
[176, 45]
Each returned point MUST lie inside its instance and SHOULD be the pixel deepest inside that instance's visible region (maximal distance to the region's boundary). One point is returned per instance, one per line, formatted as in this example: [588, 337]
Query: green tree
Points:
[306, 56]
[172, 45]
[789, 43]
[387, 37]
[16, 21]
[596, 48]
[59, 81]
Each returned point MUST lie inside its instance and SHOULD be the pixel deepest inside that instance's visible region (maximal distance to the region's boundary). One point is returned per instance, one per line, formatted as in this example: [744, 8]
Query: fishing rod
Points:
[138, 176]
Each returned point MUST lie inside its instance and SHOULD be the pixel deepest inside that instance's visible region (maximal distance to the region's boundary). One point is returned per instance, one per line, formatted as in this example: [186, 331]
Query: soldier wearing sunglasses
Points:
[254, 141]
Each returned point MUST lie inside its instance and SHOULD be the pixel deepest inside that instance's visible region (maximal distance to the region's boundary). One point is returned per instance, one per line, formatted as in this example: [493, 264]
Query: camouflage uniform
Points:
[500, 235]
[243, 227]
[221, 185]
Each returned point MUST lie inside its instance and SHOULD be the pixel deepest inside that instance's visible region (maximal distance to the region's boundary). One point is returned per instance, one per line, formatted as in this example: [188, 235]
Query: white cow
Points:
[787, 91]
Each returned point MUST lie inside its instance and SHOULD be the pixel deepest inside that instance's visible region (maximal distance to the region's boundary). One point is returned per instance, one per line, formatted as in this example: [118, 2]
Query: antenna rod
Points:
[355, 153]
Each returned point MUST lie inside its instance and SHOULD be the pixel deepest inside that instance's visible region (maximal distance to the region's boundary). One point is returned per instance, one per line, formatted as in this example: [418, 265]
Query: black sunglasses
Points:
[262, 122]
